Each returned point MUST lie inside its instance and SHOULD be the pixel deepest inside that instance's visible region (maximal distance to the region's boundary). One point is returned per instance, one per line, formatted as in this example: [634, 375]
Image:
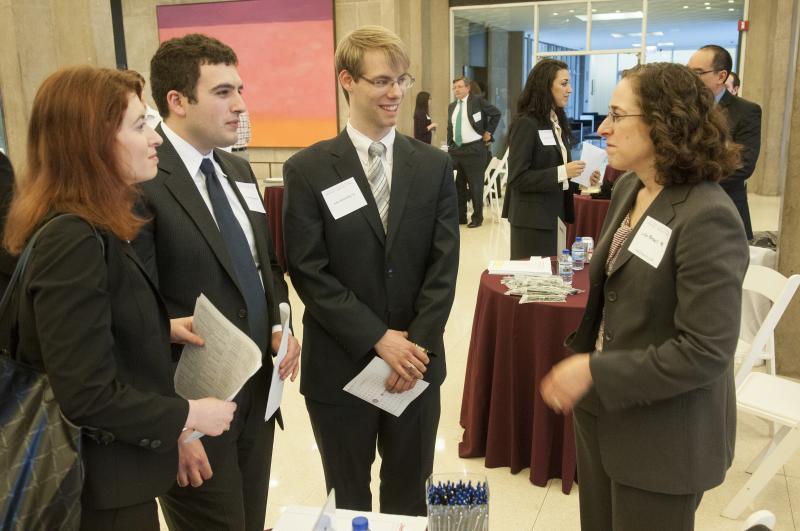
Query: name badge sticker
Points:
[651, 241]
[476, 117]
[251, 196]
[547, 137]
[344, 198]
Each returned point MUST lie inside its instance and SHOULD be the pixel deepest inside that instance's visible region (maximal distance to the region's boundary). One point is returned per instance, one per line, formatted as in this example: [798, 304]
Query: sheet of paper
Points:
[219, 368]
[344, 198]
[276, 385]
[536, 266]
[476, 117]
[651, 241]
[298, 517]
[547, 137]
[327, 517]
[370, 385]
[595, 159]
[251, 196]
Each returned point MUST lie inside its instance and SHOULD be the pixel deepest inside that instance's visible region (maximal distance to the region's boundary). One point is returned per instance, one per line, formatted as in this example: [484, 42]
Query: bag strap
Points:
[16, 277]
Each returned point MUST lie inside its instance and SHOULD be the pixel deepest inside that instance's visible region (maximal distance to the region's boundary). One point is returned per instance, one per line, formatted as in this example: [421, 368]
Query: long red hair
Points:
[73, 164]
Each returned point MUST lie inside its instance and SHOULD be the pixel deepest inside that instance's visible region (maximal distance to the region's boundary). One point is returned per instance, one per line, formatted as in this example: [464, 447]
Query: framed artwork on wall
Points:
[285, 50]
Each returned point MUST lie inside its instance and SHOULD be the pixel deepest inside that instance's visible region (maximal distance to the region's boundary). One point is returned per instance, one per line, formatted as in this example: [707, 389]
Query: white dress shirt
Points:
[468, 134]
[362, 142]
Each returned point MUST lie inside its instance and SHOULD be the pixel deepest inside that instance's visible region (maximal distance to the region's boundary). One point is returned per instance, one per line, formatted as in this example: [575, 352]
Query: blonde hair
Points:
[351, 49]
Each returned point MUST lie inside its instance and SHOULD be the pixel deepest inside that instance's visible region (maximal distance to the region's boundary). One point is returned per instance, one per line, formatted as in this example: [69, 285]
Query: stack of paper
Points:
[536, 266]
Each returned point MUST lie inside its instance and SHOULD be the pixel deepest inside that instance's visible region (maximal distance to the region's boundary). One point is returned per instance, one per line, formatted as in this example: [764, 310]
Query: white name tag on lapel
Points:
[344, 198]
[476, 117]
[251, 196]
[547, 137]
[651, 241]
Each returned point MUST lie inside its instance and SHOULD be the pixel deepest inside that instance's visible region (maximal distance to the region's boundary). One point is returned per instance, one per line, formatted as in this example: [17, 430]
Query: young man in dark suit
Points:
[208, 234]
[714, 64]
[471, 123]
[376, 269]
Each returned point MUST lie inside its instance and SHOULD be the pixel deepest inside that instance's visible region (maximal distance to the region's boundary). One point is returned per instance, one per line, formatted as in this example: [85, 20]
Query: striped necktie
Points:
[378, 182]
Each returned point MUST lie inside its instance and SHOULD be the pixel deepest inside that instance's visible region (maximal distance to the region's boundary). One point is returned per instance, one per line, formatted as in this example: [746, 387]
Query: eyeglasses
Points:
[702, 72]
[617, 117]
[405, 82]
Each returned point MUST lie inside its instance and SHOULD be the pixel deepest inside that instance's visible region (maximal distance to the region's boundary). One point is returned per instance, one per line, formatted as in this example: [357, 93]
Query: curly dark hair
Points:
[176, 66]
[690, 134]
[537, 97]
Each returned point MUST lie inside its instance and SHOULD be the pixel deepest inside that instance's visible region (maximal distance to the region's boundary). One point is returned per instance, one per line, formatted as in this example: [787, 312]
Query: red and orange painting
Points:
[285, 51]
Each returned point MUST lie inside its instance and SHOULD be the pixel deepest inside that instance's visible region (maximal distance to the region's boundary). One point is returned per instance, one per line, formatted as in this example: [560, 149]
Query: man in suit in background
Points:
[208, 234]
[7, 262]
[714, 64]
[371, 233]
[470, 125]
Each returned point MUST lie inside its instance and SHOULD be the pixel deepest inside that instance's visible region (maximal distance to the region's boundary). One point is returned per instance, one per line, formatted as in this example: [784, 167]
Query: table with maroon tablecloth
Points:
[513, 346]
[273, 204]
[589, 216]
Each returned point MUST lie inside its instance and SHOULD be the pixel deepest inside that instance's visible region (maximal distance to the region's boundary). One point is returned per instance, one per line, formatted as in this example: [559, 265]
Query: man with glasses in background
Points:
[371, 236]
[471, 123]
[714, 64]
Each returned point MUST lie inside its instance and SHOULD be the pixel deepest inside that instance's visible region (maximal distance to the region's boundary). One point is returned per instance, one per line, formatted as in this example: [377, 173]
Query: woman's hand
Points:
[594, 179]
[433, 126]
[181, 331]
[566, 383]
[210, 416]
[575, 168]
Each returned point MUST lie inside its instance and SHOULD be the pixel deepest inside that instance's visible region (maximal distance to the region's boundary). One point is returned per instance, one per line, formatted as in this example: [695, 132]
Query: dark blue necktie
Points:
[239, 251]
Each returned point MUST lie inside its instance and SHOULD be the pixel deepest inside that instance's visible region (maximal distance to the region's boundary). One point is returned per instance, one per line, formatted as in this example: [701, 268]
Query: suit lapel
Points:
[180, 184]
[127, 249]
[403, 165]
[347, 164]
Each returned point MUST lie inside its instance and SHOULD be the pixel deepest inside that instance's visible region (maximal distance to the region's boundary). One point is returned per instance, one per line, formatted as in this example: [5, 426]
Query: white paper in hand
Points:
[595, 159]
[276, 385]
[222, 366]
[370, 385]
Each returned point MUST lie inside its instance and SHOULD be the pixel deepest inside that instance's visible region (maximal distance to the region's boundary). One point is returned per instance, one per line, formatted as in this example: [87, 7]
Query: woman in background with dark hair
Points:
[539, 194]
[423, 127]
[651, 383]
[89, 316]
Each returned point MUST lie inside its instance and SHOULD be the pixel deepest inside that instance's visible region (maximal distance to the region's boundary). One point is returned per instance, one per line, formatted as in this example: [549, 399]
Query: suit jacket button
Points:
[155, 443]
[390, 272]
[242, 313]
[144, 443]
[609, 336]
[612, 296]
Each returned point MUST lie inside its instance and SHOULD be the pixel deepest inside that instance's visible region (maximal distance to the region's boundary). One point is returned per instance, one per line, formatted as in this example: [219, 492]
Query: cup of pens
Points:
[457, 502]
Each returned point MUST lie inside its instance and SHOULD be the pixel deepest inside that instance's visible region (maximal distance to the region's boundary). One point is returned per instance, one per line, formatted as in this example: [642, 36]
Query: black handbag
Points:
[41, 471]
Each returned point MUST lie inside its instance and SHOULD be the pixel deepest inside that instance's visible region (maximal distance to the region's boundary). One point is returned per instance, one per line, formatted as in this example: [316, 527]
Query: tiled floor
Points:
[516, 504]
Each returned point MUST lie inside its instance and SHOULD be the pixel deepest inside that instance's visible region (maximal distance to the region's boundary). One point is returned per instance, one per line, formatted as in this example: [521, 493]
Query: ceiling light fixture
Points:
[617, 35]
[662, 44]
[627, 15]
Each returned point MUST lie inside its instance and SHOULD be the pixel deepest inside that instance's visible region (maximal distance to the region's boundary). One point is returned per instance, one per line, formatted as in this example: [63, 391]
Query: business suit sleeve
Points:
[709, 292]
[524, 147]
[351, 322]
[435, 298]
[67, 286]
[492, 115]
[450, 109]
[748, 134]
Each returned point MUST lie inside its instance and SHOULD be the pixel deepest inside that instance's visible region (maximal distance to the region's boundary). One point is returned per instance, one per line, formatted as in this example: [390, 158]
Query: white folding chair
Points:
[765, 395]
[495, 172]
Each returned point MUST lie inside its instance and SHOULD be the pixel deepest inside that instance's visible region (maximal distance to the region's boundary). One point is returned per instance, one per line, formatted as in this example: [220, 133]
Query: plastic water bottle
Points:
[360, 523]
[578, 254]
[565, 267]
[588, 243]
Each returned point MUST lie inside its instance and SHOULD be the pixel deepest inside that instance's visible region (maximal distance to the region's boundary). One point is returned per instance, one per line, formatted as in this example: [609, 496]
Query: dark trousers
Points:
[235, 498]
[141, 517]
[527, 242]
[346, 437]
[744, 212]
[470, 161]
[610, 506]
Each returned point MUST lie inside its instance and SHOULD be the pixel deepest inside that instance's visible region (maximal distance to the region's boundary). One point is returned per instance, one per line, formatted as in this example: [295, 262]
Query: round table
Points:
[589, 216]
[273, 204]
[513, 346]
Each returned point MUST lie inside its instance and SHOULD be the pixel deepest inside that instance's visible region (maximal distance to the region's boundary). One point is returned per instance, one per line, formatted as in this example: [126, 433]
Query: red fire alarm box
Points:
[744, 25]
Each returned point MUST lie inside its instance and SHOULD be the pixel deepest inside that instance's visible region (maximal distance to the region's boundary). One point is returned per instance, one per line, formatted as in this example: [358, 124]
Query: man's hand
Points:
[487, 137]
[404, 357]
[181, 331]
[193, 465]
[566, 383]
[291, 363]
[397, 384]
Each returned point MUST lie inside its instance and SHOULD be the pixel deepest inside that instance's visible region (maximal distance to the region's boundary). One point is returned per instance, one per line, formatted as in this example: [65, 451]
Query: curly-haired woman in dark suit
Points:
[651, 383]
[539, 194]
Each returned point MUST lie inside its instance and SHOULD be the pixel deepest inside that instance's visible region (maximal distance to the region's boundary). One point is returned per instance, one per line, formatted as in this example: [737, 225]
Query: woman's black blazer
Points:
[91, 318]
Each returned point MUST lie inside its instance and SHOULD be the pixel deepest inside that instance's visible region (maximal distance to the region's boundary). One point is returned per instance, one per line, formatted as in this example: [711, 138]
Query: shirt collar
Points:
[188, 154]
[362, 142]
[722, 92]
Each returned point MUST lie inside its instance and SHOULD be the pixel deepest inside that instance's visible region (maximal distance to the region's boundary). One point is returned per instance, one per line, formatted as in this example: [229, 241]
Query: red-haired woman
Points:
[89, 316]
